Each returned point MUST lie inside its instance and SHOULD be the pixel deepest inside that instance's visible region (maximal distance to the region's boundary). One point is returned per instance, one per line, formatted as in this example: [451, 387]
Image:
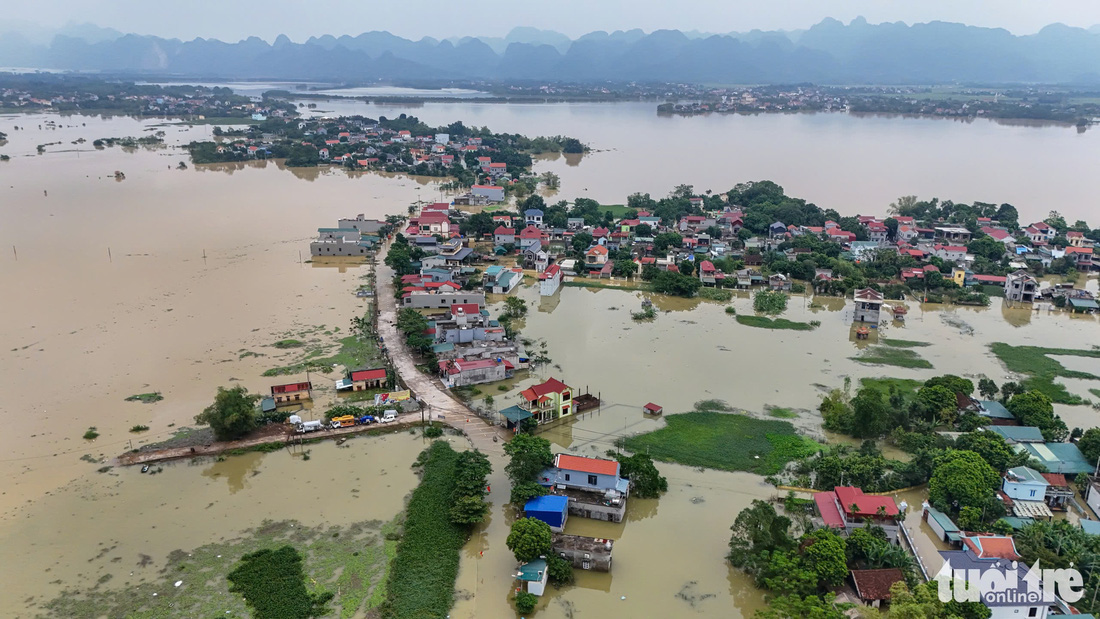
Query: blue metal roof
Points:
[547, 503]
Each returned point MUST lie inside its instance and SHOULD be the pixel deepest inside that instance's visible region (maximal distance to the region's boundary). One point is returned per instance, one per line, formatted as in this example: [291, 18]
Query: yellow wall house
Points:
[959, 277]
[548, 401]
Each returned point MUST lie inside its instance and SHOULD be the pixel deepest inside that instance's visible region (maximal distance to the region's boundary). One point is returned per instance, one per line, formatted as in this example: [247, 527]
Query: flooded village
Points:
[362, 312]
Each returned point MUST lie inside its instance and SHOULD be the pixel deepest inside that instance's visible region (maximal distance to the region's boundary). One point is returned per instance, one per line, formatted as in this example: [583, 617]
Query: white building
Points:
[492, 193]
[550, 280]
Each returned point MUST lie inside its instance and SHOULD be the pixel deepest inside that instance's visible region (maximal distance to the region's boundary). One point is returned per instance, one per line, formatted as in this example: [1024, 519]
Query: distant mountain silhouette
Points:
[829, 52]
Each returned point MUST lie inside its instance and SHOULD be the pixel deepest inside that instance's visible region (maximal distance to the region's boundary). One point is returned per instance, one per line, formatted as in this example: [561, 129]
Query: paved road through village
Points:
[441, 405]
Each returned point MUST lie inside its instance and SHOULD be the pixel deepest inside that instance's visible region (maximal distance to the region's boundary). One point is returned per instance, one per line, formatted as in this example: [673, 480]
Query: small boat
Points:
[145, 469]
[341, 440]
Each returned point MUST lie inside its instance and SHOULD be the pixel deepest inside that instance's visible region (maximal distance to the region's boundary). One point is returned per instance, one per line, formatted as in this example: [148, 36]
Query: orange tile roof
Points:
[595, 466]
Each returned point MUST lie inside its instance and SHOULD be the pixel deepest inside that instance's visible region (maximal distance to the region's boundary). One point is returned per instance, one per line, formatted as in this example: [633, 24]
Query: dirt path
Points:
[442, 406]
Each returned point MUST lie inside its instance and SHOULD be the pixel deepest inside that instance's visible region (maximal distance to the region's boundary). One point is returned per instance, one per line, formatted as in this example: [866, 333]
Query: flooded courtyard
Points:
[182, 280]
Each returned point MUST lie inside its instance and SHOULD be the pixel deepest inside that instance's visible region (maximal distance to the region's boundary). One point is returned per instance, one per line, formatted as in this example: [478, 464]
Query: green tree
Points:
[1034, 408]
[1089, 444]
[471, 470]
[992, 448]
[644, 230]
[468, 510]
[232, 415]
[835, 412]
[646, 481]
[938, 403]
[687, 267]
[526, 602]
[955, 384]
[529, 539]
[676, 284]
[824, 551]
[970, 519]
[529, 456]
[757, 531]
[624, 268]
[808, 607]
[871, 413]
[987, 388]
[514, 307]
[665, 240]
[959, 479]
[525, 491]
[581, 242]
[560, 570]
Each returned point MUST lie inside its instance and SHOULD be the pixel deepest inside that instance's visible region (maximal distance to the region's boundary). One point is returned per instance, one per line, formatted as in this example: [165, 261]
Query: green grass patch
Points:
[900, 357]
[1095, 392]
[352, 561]
[903, 343]
[763, 322]
[725, 441]
[907, 387]
[139, 428]
[422, 581]
[1036, 362]
[595, 283]
[715, 294]
[289, 343]
[146, 398]
[91, 434]
[618, 211]
[782, 413]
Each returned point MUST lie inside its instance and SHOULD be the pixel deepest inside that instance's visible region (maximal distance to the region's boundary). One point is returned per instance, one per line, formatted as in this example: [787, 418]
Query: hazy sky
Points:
[235, 19]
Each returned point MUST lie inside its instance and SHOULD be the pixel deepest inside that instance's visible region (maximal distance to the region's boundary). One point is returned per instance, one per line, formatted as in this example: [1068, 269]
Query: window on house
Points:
[1032, 493]
[1033, 612]
[567, 477]
[591, 480]
[565, 395]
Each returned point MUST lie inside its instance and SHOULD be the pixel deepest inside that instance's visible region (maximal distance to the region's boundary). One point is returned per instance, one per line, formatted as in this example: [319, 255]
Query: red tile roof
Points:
[992, 547]
[462, 365]
[550, 272]
[874, 585]
[375, 374]
[826, 504]
[866, 506]
[468, 308]
[595, 466]
[552, 385]
[291, 387]
[598, 250]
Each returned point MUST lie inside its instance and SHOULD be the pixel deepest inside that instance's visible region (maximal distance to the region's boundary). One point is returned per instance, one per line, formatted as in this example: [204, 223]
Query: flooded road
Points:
[181, 280]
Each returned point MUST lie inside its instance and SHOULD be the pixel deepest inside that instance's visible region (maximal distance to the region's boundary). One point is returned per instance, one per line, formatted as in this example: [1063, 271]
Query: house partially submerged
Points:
[593, 486]
[552, 509]
[586, 553]
[292, 392]
[548, 401]
[362, 380]
[462, 372]
[534, 575]
[1021, 286]
[868, 306]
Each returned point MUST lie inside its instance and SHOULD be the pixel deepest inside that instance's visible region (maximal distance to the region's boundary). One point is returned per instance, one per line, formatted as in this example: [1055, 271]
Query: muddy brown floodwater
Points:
[179, 281]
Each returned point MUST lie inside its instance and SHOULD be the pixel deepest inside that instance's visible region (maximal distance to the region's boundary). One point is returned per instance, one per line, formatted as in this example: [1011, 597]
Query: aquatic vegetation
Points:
[764, 322]
[724, 441]
[1036, 362]
[902, 343]
[900, 357]
[146, 398]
